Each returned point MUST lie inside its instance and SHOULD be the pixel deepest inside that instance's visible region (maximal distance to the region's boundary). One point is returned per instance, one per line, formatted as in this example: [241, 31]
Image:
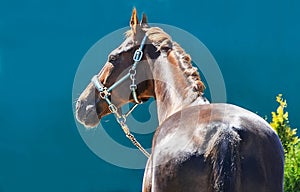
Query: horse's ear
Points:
[134, 20]
[144, 22]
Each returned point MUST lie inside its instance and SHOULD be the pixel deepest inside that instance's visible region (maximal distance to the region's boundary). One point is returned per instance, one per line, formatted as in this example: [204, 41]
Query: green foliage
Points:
[291, 145]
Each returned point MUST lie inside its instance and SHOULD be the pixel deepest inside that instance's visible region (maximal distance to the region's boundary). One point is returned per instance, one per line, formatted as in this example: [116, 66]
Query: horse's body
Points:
[215, 147]
[198, 146]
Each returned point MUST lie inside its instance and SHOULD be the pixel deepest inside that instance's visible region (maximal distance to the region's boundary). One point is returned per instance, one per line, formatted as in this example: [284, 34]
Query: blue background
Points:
[256, 44]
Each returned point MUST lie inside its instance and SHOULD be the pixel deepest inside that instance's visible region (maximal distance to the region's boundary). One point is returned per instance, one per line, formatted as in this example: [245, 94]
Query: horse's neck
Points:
[173, 92]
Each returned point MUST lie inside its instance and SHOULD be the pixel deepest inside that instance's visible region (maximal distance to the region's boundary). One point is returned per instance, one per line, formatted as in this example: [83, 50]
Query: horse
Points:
[198, 145]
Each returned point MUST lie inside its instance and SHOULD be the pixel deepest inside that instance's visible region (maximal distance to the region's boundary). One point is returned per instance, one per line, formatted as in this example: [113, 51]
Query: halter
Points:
[106, 92]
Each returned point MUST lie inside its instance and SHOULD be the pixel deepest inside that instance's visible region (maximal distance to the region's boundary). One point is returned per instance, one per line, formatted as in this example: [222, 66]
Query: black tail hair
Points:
[223, 153]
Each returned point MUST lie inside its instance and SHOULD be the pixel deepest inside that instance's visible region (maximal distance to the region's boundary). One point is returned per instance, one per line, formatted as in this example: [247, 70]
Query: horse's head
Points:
[91, 107]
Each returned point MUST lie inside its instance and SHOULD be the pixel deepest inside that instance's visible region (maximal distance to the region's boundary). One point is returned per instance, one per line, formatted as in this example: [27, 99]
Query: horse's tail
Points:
[223, 154]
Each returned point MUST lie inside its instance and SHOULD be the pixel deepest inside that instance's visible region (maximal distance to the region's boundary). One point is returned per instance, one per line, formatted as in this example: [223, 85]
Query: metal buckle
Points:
[104, 93]
[138, 54]
[113, 108]
[133, 86]
[132, 72]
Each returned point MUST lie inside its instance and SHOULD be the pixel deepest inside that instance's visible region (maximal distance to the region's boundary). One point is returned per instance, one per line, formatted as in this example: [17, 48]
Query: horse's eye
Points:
[113, 57]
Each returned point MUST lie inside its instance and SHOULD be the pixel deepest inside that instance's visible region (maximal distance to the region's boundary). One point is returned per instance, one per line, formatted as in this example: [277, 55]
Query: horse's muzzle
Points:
[86, 114]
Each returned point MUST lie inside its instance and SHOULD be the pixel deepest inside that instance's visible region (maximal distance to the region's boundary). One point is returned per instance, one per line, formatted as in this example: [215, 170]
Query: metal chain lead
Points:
[137, 144]
[121, 119]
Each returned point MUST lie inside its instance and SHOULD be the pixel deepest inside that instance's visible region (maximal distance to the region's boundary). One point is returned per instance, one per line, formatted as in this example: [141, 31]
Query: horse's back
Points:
[216, 147]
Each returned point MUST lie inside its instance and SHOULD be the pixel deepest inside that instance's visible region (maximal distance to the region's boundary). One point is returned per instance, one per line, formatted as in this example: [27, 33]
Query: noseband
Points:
[106, 92]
